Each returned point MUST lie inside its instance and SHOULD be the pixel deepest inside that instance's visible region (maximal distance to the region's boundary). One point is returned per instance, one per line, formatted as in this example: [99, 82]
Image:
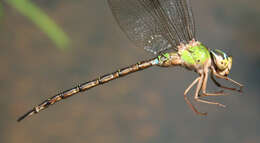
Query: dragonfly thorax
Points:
[222, 62]
[194, 55]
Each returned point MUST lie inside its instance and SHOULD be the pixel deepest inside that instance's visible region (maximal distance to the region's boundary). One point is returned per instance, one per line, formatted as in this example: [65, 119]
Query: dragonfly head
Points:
[222, 62]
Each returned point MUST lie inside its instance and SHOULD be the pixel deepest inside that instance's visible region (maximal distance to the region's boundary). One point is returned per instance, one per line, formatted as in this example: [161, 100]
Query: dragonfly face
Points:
[222, 62]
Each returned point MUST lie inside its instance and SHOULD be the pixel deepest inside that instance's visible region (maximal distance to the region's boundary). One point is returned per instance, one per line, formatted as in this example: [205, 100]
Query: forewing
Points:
[155, 25]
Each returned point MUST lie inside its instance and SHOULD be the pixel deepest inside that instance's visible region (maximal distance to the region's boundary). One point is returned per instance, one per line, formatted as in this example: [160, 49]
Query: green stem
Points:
[43, 21]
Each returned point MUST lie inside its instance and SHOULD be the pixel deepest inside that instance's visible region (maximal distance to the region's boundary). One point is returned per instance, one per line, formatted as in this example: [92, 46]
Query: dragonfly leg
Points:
[221, 86]
[187, 100]
[204, 87]
[199, 86]
[226, 78]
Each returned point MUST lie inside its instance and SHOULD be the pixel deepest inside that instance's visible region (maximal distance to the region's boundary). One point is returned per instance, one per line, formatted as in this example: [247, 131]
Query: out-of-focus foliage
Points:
[39, 18]
[1, 11]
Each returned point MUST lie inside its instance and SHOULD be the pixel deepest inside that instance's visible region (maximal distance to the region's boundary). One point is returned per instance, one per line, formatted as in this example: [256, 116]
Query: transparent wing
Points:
[155, 25]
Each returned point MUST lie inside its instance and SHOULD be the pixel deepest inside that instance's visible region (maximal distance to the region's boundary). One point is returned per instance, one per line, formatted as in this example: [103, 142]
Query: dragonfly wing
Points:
[155, 25]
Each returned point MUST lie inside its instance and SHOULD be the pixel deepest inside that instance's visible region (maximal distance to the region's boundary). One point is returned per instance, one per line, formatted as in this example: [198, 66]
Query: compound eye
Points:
[220, 54]
[220, 59]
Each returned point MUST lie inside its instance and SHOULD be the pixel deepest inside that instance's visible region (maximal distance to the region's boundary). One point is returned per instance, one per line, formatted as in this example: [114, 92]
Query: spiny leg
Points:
[226, 78]
[187, 100]
[196, 97]
[204, 87]
[221, 86]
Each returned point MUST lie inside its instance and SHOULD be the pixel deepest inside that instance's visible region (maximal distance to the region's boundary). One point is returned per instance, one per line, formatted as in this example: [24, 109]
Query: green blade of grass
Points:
[1, 12]
[43, 21]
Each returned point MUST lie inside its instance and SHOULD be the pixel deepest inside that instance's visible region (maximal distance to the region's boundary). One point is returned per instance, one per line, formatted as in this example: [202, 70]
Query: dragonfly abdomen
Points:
[90, 84]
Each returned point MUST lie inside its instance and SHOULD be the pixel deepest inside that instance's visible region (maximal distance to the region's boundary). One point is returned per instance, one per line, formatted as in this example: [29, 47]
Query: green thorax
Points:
[193, 55]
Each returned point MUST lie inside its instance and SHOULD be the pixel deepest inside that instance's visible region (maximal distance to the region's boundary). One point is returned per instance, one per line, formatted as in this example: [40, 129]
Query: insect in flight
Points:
[167, 29]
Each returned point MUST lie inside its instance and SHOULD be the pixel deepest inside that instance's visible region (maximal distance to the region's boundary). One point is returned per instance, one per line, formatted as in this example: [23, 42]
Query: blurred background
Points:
[48, 46]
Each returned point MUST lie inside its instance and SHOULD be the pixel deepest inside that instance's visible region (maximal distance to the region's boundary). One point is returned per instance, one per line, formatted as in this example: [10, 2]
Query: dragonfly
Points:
[165, 28]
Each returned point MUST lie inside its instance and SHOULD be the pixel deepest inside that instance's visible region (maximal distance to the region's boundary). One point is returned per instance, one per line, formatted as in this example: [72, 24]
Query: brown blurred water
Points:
[146, 107]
